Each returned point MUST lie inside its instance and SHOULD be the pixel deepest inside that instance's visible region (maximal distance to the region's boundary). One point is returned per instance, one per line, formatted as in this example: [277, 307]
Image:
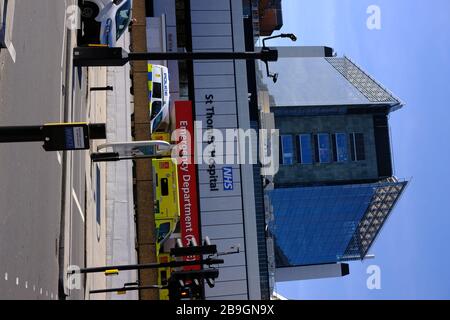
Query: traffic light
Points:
[195, 274]
[188, 284]
[193, 249]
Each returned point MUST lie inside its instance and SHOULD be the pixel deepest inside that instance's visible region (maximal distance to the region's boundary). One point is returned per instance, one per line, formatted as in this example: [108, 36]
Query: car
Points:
[105, 21]
[158, 96]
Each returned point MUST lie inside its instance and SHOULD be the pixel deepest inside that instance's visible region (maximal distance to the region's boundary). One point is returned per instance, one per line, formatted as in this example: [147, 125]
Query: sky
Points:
[409, 55]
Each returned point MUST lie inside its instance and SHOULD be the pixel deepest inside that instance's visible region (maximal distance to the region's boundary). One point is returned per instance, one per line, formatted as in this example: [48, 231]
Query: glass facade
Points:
[327, 224]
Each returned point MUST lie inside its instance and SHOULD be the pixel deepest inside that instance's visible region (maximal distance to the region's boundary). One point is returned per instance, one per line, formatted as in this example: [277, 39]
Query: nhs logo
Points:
[227, 178]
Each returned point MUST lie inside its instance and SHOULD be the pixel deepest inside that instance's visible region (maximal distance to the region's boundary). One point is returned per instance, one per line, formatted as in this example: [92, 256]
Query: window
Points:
[287, 150]
[322, 147]
[357, 148]
[340, 147]
[156, 122]
[123, 16]
[305, 152]
[156, 108]
[157, 90]
[163, 231]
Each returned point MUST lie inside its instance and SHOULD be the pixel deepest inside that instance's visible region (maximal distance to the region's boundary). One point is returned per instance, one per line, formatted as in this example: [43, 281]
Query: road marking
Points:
[63, 53]
[12, 51]
[9, 23]
[17, 281]
[40, 291]
[26, 284]
[34, 288]
[75, 198]
[58, 156]
[51, 296]
[6, 276]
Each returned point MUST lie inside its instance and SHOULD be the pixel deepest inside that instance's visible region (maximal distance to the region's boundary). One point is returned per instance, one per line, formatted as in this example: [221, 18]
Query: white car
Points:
[158, 96]
[105, 21]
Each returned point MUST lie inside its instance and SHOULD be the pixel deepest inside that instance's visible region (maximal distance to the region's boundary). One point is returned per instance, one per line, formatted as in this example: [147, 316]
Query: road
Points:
[32, 202]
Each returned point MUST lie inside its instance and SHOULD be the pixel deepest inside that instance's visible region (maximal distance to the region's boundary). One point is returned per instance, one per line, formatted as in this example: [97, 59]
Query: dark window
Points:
[352, 146]
[357, 147]
[163, 231]
[157, 90]
[333, 144]
[156, 108]
[164, 187]
[316, 148]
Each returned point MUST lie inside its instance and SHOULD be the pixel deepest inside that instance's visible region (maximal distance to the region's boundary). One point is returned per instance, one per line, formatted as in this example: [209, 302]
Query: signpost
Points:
[57, 136]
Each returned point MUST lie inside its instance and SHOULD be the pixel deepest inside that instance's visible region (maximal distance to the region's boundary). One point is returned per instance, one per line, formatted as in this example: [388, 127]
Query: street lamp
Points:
[291, 36]
[105, 56]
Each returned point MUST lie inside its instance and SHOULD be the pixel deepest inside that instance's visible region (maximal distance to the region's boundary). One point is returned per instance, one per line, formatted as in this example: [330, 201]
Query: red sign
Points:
[187, 178]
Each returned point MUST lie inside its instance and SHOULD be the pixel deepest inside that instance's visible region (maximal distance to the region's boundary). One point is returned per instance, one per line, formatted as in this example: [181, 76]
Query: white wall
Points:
[228, 217]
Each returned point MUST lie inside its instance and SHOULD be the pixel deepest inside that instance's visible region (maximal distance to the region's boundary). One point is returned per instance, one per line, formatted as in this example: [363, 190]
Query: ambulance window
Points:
[163, 230]
[164, 187]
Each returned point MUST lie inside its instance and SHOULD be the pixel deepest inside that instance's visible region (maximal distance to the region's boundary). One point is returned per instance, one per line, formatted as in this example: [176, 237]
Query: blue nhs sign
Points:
[227, 178]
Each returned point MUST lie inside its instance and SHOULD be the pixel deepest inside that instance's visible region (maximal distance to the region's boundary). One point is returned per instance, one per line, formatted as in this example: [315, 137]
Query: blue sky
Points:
[410, 55]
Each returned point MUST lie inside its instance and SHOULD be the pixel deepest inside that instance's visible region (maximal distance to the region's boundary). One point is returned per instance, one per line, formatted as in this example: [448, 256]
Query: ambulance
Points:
[167, 215]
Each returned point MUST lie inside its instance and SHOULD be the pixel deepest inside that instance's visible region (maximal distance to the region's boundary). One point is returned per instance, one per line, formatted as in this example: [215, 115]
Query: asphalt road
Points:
[31, 180]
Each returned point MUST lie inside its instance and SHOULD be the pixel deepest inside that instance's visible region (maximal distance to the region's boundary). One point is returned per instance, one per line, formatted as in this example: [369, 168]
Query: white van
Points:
[158, 95]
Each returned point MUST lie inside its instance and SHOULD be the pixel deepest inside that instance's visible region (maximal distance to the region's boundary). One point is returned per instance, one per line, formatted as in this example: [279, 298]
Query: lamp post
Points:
[105, 56]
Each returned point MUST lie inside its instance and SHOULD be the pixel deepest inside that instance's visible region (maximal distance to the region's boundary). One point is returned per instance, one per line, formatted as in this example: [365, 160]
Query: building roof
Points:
[365, 84]
[382, 204]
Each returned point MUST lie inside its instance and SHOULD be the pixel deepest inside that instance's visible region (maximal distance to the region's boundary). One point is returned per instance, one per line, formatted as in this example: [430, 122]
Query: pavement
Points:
[99, 211]
[121, 227]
